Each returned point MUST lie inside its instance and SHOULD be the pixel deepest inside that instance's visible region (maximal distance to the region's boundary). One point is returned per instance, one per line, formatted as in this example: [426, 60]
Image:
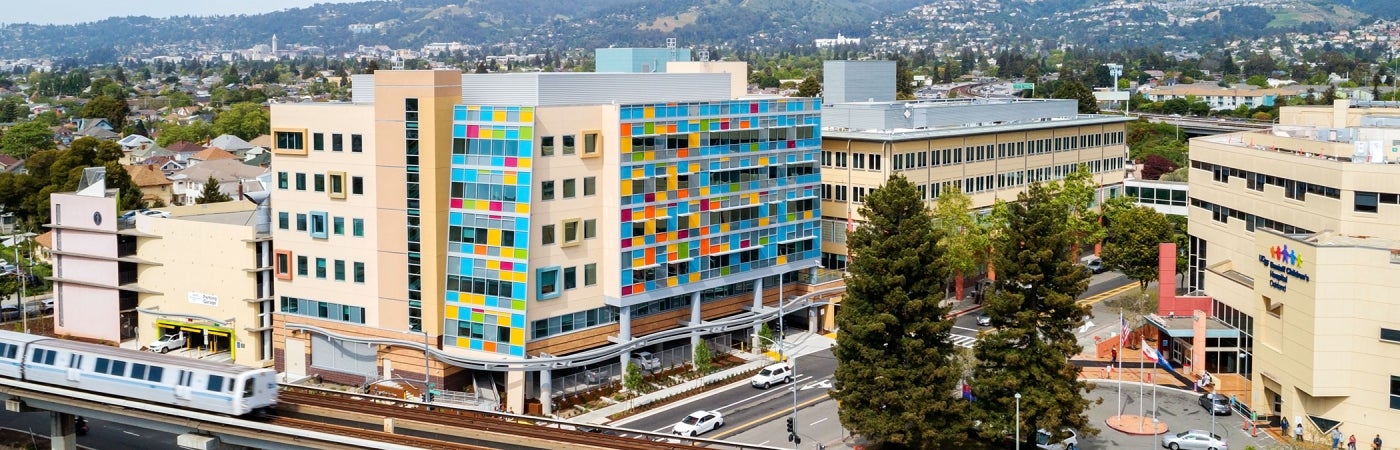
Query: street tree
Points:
[113, 109]
[632, 378]
[26, 138]
[245, 120]
[1076, 90]
[211, 193]
[766, 333]
[809, 87]
[962, 241]
[897, 371]
[196, 131]
[1034, 314]
[1076, 197]
[703, 358]
[1131, 246]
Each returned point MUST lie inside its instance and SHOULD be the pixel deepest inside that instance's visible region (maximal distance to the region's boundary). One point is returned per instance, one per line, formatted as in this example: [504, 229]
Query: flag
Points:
[1151, 354]
[1123, 331]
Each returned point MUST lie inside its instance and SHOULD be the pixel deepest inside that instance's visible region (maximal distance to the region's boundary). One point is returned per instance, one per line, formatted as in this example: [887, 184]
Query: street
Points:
[100, 436]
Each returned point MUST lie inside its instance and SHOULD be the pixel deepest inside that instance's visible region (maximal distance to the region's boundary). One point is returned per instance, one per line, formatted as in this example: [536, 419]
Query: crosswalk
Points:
[962, 341]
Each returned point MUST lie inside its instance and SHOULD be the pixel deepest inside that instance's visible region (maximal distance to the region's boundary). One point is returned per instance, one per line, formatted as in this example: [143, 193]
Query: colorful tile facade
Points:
[717, 189]
[489, 228]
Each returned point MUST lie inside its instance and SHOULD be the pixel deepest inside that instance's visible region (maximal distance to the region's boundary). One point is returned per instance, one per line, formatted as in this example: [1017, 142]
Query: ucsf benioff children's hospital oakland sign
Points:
[1282, 264]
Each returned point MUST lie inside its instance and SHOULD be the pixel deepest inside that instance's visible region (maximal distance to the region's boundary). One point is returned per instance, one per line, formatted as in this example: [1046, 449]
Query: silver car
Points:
[1194, 440]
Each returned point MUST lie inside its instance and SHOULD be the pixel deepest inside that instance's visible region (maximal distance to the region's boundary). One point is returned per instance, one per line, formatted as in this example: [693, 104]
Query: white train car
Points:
[162, 379]
[12, 352]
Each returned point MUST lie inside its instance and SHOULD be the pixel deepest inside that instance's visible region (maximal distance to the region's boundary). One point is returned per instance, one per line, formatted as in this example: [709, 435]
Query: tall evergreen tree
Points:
[211, 193]
[1074, 89]
[809, 87]
[1034, 313]
[897, 374]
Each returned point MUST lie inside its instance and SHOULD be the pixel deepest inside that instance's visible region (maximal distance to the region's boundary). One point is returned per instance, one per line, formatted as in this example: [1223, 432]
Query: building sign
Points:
[1283, 264]
[204, 299]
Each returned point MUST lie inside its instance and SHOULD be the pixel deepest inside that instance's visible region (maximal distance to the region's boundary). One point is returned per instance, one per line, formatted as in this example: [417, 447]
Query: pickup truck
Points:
[168, 342]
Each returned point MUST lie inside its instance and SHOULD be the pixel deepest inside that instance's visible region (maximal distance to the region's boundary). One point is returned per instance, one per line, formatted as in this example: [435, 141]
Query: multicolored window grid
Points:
[489, 228]
[717, 189]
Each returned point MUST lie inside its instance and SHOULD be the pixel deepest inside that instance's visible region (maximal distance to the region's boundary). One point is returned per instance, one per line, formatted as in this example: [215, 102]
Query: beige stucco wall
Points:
[738, 71]
[345, 119]
[196, 255]
[1316, 341]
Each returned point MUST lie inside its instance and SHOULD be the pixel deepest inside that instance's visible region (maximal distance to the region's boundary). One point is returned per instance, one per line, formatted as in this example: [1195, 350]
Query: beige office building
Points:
[989, 148]
[1295, 235]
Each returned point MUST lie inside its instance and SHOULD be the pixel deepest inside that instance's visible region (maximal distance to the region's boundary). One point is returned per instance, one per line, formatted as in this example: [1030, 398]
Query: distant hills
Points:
[747, 24]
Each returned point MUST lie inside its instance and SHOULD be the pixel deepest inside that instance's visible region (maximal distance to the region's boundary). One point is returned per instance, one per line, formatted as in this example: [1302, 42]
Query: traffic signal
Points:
[791, 430]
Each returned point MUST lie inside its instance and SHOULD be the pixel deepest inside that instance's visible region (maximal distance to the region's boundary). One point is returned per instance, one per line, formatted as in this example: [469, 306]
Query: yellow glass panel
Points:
[522, 207]
[452, 312]
[651, 227]
[638, 262]
[491, 263]
[763, 161]
[660, 196]
[523, 163]
[705, 191]
[498, 116]
[473, 107]
[625, 145]
[638, 173]
[517, 336]
[509, 178]
[782, 259]
[649, 156]
[626, 188]
[806, 214]
[694, 140]
[493, 237]
[762, 221]
[649, 112]
[527, 116]
[724, 228]
[694, 277]
[464, 342]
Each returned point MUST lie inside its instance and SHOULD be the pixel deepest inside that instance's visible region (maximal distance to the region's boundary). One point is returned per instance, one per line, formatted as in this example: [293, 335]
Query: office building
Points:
[1294, 237]
[529, 227]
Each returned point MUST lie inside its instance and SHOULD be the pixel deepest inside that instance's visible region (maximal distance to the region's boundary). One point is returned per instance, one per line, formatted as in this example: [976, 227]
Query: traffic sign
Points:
[1022, 86]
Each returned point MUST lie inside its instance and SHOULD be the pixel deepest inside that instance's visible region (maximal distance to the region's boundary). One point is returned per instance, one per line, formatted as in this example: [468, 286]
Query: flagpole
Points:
[1122, 339]
[1141, 373]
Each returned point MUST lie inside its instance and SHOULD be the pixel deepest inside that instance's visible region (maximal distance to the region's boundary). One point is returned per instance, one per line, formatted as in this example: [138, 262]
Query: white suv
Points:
[771, 375]
[646, 361]
[172, 341]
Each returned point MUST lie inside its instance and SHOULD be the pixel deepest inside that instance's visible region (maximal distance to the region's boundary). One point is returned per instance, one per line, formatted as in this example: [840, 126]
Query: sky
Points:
[76, 11]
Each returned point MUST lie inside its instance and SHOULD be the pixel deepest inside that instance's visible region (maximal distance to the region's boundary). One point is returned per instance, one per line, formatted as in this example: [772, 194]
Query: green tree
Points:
[1131, 246]
[903, 80]
[1074, 89]
[897, 371]
[211, 193]
[1076, 197]
[105, 107]
[1034, 314]
[703, 358]
[26, 138]
[197, 131]
[1258, 80]
[245, 120]
[632, 378]
[809, 87]
[766, 334]
[962, 240]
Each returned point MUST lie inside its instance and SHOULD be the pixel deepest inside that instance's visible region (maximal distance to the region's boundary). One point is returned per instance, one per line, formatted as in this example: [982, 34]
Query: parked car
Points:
[1217, 404]
[1093, 263]
[168, 342]
[1194, 440]
[47, 305]
[9, 312]
[698, 423]
[646, 361]
[1066, 439]
[771, 375]
[984, 320]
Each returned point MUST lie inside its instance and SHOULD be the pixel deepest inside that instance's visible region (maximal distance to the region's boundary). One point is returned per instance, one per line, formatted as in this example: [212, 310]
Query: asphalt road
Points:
[744, 406]
[100, 436]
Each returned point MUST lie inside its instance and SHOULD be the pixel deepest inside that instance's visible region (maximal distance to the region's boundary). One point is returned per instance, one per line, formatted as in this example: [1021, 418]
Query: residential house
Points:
[232, 144]
[62, 134]
[141, 154]
[134, 141]
[234, 177]
[155, 187]
[211, 154]
[98, 128]
[10, 164]
[183, 150]
[264, 141]
[43, 246]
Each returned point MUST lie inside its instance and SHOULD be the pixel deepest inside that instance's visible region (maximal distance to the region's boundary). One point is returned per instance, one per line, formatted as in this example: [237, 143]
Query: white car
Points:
[646, 361]
[771, 375]
[698, 423]
[1194, 440]
[168, 342]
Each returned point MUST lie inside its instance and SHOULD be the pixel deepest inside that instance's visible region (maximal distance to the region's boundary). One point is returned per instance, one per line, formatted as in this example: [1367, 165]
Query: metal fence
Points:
[598, 376]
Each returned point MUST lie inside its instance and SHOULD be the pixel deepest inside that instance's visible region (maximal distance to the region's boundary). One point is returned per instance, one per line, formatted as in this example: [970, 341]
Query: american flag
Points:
[1123, 331]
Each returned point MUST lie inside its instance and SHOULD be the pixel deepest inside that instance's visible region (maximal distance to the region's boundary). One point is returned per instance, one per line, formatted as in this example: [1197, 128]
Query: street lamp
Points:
[1018, 420]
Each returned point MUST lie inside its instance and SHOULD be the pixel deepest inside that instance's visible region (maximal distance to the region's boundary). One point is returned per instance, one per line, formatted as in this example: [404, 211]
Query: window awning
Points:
[1324, 424]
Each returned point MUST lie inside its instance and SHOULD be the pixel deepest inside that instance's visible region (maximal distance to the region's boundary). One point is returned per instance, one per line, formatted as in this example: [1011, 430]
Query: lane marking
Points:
[974, 330]
[764, 443]
[795, 381]
[813, 424]
[1096, 298]
[130, 433]
[751, 423]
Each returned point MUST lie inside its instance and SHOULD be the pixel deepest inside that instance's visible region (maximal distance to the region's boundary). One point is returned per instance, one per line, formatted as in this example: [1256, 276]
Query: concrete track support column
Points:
[546, 393]
[63, 434]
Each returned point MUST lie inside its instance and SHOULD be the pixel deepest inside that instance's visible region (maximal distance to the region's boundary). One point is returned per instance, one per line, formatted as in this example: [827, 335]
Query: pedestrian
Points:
[1336, 437]
[1376, 443]
[1351, 442]
[1283, 427]
[1114, 356]
[1298, 431]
